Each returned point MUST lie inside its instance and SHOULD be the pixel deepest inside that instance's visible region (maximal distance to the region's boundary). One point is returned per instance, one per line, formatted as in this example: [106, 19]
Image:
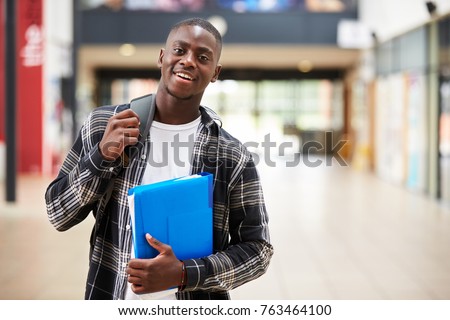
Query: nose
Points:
[188, 59]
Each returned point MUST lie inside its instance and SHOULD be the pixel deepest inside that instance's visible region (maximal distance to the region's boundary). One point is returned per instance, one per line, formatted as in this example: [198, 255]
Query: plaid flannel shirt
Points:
[241, 244]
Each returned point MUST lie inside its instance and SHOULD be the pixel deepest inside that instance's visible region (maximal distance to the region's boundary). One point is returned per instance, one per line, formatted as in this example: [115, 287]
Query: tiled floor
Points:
[337, 233]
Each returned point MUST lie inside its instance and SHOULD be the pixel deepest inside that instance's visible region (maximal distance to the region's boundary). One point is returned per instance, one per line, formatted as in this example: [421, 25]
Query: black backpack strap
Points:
[145, 108]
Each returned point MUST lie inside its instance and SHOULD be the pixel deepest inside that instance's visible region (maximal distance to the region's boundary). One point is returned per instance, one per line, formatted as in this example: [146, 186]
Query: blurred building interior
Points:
[294, 69]
[374, 75]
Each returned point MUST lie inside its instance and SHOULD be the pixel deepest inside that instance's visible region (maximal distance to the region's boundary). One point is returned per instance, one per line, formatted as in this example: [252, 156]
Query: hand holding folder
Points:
[177, 212]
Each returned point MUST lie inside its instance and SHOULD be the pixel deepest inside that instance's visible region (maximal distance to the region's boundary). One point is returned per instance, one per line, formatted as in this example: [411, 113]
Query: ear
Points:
[161, 55]
[216, 73]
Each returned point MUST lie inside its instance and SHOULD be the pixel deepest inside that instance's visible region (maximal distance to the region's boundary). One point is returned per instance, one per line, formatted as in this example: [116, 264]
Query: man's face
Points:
[189, 62]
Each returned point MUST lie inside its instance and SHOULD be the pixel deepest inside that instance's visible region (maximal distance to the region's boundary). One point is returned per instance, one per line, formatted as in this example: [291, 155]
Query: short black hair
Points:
[205, 24]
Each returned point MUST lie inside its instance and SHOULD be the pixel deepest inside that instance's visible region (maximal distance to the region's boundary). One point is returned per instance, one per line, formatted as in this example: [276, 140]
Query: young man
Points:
[242, 251]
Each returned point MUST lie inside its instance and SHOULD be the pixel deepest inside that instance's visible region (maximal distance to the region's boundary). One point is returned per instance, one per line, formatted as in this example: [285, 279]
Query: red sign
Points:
[2, 74]
[30, 47]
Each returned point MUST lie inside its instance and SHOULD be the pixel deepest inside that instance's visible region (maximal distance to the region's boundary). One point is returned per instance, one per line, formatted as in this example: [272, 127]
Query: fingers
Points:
[158, 245]
[138, 289]
[156, 274]
[127, 113]
[136, 284]
[137, 276]
[135, 272]
[130, 136]
[134, 280]
[126, 119]
[136, 264]
[121, 131]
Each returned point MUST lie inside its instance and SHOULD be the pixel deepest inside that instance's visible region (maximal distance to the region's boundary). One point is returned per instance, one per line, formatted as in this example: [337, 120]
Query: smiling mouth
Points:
[184, 76]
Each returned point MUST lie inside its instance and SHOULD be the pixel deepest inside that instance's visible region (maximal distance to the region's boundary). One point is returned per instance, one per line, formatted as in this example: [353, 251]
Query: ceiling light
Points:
[127, 50]
[305, 66]
[219, 23]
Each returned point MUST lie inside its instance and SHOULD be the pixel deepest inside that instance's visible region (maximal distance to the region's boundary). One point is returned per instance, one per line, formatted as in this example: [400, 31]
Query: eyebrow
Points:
[186, 44]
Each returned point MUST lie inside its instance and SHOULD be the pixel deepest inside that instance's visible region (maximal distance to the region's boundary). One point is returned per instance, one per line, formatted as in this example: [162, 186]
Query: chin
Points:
[178, 96]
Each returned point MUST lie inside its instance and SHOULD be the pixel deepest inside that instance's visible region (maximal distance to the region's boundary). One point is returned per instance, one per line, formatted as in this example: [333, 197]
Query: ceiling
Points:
[233, 57]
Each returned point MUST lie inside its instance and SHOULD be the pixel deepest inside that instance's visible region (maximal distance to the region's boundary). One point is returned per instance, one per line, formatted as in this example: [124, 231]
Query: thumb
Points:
[162, 248]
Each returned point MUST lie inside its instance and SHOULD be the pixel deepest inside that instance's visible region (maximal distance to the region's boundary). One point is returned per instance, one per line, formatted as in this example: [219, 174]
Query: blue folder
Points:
[177, 212]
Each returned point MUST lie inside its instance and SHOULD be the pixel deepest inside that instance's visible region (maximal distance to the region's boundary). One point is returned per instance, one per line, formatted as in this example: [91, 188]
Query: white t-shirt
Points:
[170, 156]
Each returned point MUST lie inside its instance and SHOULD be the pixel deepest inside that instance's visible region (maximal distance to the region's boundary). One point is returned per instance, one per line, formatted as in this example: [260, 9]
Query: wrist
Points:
[183, 277]
[104, 156]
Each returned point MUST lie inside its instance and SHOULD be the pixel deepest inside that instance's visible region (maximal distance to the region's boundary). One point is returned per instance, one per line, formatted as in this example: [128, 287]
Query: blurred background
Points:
[364, 214]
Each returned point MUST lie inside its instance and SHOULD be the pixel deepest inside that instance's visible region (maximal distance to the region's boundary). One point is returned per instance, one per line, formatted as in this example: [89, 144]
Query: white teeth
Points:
[183, 75]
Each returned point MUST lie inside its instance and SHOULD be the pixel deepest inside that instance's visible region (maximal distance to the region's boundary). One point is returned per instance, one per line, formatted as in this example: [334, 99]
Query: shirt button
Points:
[128, 227]
[143, 157]
[111, 169]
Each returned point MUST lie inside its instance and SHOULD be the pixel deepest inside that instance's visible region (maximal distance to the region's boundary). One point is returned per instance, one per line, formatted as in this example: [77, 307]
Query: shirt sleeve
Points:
[249, 252]
[81, 181]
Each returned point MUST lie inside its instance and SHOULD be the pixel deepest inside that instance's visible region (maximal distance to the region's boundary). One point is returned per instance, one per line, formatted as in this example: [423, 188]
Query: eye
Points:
[203, 57]
[178, 51]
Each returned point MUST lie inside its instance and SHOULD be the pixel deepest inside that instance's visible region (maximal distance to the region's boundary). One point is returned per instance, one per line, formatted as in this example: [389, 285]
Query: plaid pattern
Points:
[242, 248]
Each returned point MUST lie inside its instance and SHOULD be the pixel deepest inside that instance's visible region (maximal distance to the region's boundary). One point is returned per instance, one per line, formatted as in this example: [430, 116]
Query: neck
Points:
[171, 110]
